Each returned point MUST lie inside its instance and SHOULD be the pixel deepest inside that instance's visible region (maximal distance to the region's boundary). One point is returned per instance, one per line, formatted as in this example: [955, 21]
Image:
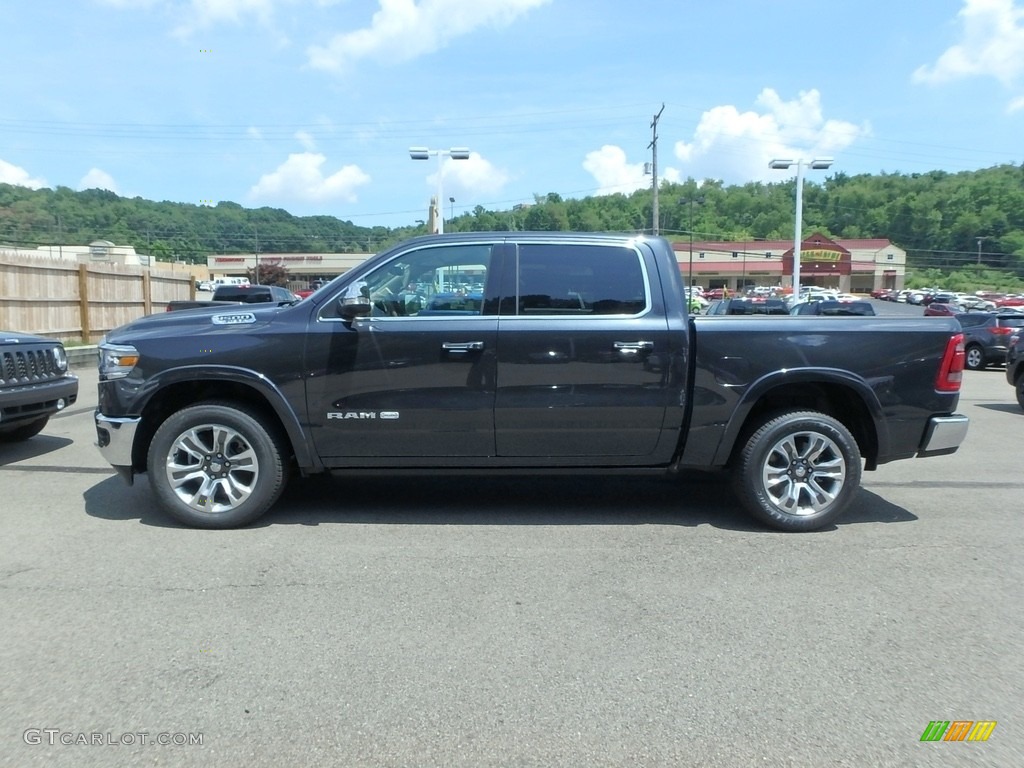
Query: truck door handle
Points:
[632, 347]
[462, 347]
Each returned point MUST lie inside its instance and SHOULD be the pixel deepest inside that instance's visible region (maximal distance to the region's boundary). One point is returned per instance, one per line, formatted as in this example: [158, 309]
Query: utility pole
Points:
[256, 253]
[980, 241]
[653, 146]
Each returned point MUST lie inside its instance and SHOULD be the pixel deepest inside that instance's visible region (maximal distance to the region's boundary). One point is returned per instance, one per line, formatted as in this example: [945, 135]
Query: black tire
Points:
[974, 358]
[214, 465]
[798, 471]
[24, 432]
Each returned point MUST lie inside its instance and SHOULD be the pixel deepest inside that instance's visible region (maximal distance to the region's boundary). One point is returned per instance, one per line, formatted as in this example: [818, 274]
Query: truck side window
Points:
[578, 280]
[431, 281]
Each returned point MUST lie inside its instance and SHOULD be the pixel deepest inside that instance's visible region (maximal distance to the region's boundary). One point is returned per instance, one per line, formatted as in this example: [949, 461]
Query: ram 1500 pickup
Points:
[521, 353]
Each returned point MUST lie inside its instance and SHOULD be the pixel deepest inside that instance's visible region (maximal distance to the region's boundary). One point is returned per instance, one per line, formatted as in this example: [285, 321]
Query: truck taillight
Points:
[951, 372]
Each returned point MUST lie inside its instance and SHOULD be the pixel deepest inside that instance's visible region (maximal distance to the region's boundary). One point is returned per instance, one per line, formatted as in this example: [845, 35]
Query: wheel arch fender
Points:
[171, 390]
[844, 395]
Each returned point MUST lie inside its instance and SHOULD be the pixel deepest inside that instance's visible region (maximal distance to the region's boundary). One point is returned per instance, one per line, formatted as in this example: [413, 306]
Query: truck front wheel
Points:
[214, 465]
[798, 471]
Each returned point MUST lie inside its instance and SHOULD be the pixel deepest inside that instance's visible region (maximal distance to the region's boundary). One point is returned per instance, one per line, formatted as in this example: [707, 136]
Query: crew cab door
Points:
[583, 365]
[415, 378]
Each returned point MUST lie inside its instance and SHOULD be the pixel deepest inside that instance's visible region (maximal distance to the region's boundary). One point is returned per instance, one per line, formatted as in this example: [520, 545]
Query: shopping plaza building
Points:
[851, 266]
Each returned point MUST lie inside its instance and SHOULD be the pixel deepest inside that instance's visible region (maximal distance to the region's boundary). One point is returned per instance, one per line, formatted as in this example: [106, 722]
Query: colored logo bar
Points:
[958, 730]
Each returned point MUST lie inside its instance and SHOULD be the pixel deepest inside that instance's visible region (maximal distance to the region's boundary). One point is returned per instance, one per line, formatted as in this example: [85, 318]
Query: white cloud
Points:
[991, 44]
[301, 178]
[208, 13]
[609, 167]
[736, 146]
[18, 176]
[473, 176]
[402, 30]
[204, 14]
[306, 140]
[97, 179]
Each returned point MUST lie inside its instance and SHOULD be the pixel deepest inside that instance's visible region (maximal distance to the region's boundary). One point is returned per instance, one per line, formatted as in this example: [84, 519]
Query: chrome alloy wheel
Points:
[803, 473]
[212, 468]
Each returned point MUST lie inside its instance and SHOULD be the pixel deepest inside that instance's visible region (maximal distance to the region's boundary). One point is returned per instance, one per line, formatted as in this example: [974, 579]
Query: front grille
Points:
[27, 365]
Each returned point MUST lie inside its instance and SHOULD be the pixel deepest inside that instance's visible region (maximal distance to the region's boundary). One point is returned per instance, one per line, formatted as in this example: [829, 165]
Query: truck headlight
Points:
[117, 360]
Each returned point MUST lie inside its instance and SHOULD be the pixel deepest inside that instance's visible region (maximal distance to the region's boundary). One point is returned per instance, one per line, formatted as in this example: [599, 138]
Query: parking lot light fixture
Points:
[818, 164]
[424, 153]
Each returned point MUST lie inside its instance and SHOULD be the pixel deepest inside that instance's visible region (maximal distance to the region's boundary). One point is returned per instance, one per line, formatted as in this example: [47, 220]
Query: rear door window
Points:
[575, 280]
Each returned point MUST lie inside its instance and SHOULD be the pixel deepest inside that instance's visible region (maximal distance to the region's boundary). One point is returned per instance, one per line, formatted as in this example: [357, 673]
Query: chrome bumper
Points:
[115, 438]
[944, 434]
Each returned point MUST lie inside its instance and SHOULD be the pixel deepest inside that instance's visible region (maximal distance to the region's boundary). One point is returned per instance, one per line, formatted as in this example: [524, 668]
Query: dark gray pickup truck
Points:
[34, 384]
[237, 294]
[521, 353]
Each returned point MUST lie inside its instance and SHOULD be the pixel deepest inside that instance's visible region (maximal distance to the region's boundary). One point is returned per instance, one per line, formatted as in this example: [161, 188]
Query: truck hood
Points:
[200, 321]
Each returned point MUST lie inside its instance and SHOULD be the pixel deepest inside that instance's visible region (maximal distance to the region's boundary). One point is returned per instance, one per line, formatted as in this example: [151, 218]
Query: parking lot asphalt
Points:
[494, 622]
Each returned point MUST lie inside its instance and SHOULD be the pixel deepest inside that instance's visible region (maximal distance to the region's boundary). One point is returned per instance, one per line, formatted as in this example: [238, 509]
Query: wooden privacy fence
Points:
[70, 301]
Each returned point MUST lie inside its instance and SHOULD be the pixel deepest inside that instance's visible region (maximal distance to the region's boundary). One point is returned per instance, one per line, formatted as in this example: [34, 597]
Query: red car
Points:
[313, 287]
[941, 309]
[1013, 300]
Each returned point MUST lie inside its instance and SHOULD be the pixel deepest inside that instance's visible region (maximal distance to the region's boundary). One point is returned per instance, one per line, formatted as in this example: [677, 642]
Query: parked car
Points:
[977, 303]
[987, 337]
[835, 308]
[748, 307]
[943, 305]
[226, 294]
[1010, 300]
[942, 309]
[314, 286]
[34, 384]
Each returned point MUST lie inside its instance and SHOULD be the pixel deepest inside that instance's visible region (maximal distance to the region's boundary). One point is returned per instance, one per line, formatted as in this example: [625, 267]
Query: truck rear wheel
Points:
[798, 471]
[215, 465]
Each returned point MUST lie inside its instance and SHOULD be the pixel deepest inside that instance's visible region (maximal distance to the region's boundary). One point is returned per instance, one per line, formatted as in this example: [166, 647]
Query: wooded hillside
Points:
[936, 217]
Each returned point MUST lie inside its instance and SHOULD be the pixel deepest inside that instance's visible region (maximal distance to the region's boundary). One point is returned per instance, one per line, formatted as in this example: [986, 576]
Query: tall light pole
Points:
[817, 164]
[455, 153]
[452, 201]
[980, 241]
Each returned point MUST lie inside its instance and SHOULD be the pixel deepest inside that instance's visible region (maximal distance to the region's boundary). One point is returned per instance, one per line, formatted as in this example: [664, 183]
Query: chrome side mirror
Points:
[355, 301]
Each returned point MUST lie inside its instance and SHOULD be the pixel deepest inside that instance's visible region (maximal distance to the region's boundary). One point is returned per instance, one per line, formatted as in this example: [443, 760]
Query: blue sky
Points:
[312, 105]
